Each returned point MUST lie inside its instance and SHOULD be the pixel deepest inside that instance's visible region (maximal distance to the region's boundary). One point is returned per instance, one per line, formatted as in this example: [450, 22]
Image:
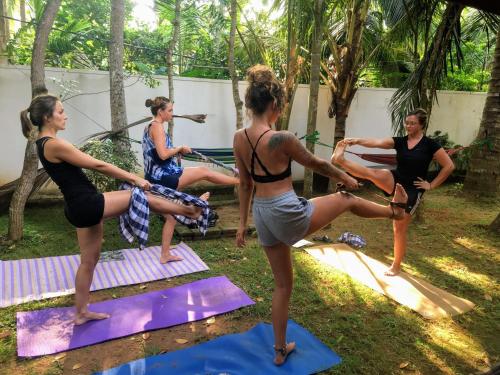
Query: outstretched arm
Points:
[385, 143]
[296, 150]
[60, 150]
[245, 191]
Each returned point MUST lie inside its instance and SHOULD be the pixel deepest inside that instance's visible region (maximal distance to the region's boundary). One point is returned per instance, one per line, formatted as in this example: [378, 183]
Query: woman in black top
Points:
[414, 153]
[263, 157]
[84, 206]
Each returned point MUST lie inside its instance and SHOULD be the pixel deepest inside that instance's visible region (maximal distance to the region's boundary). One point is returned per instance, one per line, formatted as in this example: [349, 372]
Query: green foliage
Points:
[460, 155]
[108, 151]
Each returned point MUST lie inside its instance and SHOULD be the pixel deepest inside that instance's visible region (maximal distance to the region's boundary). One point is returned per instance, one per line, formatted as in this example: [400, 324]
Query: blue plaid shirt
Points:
[134, 223]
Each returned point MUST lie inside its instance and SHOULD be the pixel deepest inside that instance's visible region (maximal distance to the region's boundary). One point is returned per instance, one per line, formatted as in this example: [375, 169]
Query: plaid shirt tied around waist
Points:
[134, 223]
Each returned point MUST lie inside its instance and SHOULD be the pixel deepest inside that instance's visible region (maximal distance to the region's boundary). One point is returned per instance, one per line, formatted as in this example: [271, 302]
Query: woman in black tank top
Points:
[263, 157]
[84, 207]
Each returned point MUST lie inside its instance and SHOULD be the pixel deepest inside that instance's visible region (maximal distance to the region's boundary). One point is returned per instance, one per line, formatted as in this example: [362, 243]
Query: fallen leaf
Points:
[114, 296]
[143, 287]
[132, 338]
[76, 366]
[59, 357]
[181, 341]
[259, 299]
[146, 335]
[245, 258]
[4, 334]
[211, 320]
[488, 297]
[404, 364]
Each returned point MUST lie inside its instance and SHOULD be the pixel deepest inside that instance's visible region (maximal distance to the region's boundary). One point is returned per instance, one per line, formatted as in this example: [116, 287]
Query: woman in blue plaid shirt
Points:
[160, 166]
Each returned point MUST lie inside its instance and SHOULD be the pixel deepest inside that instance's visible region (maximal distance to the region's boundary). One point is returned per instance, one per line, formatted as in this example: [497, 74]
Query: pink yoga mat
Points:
[52, 330]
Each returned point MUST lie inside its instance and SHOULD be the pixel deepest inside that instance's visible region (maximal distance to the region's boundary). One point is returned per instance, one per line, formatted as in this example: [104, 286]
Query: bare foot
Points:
[279, 359]
[165, 258]
[87, 316]
[338, 153]
[393, 271]
[205, 196]
[400, 196]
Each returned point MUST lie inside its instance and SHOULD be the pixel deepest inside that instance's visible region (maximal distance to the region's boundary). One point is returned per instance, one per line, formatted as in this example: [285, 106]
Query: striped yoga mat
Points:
[35, 279]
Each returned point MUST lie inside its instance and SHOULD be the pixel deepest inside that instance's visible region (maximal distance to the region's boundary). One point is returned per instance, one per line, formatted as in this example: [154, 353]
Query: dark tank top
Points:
[70, 179]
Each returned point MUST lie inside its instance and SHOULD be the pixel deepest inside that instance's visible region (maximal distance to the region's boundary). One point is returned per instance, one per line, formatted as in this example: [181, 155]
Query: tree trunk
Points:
[232, 71]
[313, 89]
[170, 65]
[495, 225]
[4, 34]
[292, 70]
[483, 173]
[22, 10]
[23, 189]
[117, 90]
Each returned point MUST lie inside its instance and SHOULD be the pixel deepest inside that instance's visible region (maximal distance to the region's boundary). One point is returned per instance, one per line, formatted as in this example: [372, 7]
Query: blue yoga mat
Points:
[249, 353]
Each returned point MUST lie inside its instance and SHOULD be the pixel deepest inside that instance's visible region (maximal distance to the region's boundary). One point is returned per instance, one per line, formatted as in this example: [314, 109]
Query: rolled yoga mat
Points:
[416, 294]
[52, 330]
[249, 353]
[35, 279]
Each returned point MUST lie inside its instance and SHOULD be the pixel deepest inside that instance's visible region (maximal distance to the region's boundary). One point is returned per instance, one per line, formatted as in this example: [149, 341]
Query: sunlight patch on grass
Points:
[450, 338]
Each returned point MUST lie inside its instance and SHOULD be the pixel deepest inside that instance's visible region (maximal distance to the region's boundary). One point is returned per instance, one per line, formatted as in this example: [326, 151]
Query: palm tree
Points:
[25, 185]
[419, 90]
[232, 71]
[483, 173]
[117, 91]
[312, 112]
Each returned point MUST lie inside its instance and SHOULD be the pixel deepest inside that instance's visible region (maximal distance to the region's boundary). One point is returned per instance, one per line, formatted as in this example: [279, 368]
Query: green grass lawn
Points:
[451, 248]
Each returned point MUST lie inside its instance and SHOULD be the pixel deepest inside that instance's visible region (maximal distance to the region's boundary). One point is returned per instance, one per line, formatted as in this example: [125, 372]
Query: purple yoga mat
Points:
[52, 330]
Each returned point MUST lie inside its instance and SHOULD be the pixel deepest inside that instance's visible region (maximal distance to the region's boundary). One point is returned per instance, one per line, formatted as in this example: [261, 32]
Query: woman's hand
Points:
[142, 183]
[240, 236]
[422, 184]
[185, 150]
[350, 183]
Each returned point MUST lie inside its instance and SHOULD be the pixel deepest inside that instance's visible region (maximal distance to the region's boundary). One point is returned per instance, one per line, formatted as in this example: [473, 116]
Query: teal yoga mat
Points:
[249, 353]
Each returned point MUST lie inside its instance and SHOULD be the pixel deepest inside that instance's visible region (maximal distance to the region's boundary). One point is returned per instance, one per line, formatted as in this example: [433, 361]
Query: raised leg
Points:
[382, 178]
[328, 207]
[281, 264]
[191, 175]
[90, 241]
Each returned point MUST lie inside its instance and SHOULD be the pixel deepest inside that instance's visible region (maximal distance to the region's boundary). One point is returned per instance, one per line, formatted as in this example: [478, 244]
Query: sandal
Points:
[396, 204]
[324, 238]
[284, 352]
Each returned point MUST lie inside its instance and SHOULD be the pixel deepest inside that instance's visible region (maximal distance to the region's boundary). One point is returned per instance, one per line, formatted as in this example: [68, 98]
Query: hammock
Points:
[218, 156]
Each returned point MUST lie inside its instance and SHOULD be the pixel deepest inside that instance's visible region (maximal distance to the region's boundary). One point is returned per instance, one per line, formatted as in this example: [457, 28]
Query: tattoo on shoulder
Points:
[278, 139]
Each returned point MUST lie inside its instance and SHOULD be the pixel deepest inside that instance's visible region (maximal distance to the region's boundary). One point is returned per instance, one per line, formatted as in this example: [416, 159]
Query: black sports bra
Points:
[268, 177]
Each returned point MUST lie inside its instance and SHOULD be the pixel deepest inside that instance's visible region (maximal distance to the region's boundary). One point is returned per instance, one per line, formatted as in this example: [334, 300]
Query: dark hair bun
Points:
[149, 103]
[264, 89]
[260, 75]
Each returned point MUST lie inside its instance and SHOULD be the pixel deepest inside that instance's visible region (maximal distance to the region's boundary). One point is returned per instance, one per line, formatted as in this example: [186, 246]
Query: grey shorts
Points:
[283, 218]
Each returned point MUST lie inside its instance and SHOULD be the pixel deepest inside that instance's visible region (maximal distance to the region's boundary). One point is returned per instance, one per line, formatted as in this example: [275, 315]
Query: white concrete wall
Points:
[457, 113]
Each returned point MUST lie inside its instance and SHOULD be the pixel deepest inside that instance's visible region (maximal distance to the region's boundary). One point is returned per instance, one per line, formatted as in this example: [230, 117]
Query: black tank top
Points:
[70, 179]
[268, 176]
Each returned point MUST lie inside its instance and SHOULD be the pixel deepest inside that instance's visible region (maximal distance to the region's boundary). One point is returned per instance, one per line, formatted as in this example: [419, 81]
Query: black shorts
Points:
[170, 181]
[414, 194]
[86, 210]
